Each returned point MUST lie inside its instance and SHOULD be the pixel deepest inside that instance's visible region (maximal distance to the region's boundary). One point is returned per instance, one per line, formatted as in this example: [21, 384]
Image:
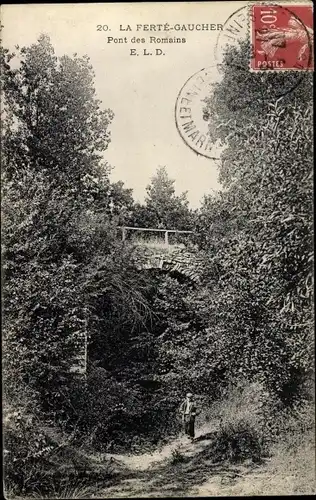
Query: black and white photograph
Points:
[157, 249]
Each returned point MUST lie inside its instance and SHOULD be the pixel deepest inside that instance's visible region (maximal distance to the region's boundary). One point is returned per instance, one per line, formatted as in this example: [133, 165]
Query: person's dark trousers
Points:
[189, 426]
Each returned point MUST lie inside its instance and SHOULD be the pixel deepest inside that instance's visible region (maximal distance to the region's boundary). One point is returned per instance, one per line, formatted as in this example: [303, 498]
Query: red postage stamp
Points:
[282, 37]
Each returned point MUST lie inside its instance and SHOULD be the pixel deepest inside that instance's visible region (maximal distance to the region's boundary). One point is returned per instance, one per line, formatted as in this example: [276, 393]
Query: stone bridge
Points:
[169, 254]
[150, 253]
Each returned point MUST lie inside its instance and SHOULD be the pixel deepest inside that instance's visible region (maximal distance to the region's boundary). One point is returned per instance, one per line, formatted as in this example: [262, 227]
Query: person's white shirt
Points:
[188, 406]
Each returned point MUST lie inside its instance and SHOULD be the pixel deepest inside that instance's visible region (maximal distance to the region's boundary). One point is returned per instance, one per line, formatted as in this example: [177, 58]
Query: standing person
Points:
[188, 414]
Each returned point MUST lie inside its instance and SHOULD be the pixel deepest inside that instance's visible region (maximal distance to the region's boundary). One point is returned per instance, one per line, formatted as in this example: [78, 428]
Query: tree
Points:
[66, 275]
[263, 272]
[53, 137]
[163, 208]
[121, 203]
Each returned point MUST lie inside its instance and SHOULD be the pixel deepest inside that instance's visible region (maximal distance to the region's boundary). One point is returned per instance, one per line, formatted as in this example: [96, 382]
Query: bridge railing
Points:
[154, 236]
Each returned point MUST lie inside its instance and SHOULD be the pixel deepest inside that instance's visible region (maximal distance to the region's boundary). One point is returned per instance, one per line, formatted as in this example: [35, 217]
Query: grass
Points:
[291, 469]
[227, 459]
[177, 457]
[71, 491]
[155, 242]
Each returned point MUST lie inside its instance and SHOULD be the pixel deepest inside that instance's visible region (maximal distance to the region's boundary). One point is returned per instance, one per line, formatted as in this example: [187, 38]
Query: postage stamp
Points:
[282, 37]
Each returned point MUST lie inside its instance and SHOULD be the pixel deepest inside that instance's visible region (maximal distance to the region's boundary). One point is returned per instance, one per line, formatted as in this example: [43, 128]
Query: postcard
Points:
[157, 249]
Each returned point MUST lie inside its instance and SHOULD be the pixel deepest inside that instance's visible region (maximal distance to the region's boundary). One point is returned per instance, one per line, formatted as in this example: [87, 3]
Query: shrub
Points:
[238, 441]
[39, 457]
[27, 452]
[177, 457]
[238, 417]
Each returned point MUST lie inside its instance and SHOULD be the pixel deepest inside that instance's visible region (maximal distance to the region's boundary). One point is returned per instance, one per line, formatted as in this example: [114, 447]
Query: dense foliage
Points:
[240, 311]
[264, 221]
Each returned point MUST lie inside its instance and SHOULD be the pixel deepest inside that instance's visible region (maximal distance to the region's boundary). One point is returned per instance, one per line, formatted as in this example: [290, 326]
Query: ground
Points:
[184, 469]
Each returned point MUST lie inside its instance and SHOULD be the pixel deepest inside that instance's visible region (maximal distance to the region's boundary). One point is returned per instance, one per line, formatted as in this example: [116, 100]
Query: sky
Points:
[140, 90]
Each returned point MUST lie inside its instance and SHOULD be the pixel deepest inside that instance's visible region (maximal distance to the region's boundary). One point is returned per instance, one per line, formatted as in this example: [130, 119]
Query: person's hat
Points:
[189, 395]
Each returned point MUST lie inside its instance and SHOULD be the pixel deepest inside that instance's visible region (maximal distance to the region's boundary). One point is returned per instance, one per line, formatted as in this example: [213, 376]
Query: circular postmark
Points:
[235, 29]
[191, 119]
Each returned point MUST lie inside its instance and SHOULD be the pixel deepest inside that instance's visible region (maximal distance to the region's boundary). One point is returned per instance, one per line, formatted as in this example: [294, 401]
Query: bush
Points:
[177, 457]
[27, 452]
[289, 424]
[238, 417]
[237, 442]
[40, 457]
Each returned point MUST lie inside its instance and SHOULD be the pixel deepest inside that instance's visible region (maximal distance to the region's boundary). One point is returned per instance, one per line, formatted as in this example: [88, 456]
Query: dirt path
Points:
[146, 461]
[194, 473]
[156, 475]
